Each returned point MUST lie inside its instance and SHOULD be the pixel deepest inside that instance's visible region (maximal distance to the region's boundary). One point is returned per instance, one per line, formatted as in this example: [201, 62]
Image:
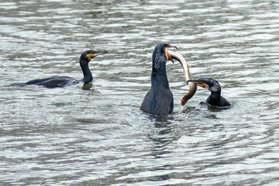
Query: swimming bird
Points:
[215, 100]
[62, 81]
[159, 99]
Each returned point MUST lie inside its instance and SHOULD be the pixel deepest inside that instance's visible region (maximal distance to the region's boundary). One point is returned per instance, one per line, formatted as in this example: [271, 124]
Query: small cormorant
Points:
[215, 100]
[159, 99]
[62, 81]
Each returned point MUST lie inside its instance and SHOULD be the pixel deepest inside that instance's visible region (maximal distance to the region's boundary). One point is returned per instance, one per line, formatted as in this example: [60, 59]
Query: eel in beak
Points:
[192, 86]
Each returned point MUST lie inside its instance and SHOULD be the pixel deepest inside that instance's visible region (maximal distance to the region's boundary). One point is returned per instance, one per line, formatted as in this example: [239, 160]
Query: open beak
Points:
[168, 52]
[199, 83]
[101, 52]
[91, 56]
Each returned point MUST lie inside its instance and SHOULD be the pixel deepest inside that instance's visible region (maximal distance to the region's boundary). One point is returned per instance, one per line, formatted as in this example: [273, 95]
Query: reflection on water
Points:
[100, 137]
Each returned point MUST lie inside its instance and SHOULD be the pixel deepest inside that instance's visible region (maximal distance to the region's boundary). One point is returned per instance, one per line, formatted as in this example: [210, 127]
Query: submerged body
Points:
[54, 81]
[62, 81]
[215, 99]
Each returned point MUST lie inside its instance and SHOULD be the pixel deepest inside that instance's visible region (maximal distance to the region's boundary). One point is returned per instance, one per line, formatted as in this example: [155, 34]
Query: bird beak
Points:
[172, 46]
[168, 54]
[91, 56]
[101, 52]
[199, 83]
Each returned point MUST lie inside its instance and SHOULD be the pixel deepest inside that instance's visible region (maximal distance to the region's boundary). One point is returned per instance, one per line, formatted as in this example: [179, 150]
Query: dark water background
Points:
[70, 136]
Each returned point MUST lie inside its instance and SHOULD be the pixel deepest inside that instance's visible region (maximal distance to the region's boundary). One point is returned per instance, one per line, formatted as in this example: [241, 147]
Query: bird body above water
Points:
[62, 81]
[159, 99]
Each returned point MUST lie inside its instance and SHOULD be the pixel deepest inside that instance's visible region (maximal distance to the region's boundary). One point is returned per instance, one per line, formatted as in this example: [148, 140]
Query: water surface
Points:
[100, 137]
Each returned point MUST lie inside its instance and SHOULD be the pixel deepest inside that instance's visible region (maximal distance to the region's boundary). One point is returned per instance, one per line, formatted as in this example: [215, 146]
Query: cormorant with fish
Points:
[159, 99]
[215, 100]
[62, 81]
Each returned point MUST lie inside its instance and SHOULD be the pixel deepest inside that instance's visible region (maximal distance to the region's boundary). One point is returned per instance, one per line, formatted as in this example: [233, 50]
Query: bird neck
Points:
[87, 75]
[159, 77]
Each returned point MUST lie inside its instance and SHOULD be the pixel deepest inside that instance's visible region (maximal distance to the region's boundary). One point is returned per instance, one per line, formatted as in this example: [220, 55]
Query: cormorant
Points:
[215, 100]
[159, 99]
[62, 81]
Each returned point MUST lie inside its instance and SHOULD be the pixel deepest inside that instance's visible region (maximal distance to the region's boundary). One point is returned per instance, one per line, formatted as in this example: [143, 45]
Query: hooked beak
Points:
[101, 52]
[171, 46]
[93, 53]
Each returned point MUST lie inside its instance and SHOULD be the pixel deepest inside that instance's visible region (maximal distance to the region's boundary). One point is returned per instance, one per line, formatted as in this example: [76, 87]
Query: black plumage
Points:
[159, 99]
[215, 100]
[62, 81]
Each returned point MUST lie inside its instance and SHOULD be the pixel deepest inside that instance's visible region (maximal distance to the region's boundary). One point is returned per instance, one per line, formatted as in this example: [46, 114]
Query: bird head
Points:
[87, 56]
[161, 55]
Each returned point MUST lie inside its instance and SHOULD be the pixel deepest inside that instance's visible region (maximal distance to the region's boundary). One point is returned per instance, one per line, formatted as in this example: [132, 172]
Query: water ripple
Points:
[70, 136]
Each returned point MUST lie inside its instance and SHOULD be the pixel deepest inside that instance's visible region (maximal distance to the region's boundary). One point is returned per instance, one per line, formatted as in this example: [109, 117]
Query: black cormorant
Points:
[159, 99]
[62, 81]
[215, 100]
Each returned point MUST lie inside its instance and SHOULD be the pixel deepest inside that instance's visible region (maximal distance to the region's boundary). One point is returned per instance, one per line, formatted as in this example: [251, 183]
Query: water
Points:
[71, 136]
